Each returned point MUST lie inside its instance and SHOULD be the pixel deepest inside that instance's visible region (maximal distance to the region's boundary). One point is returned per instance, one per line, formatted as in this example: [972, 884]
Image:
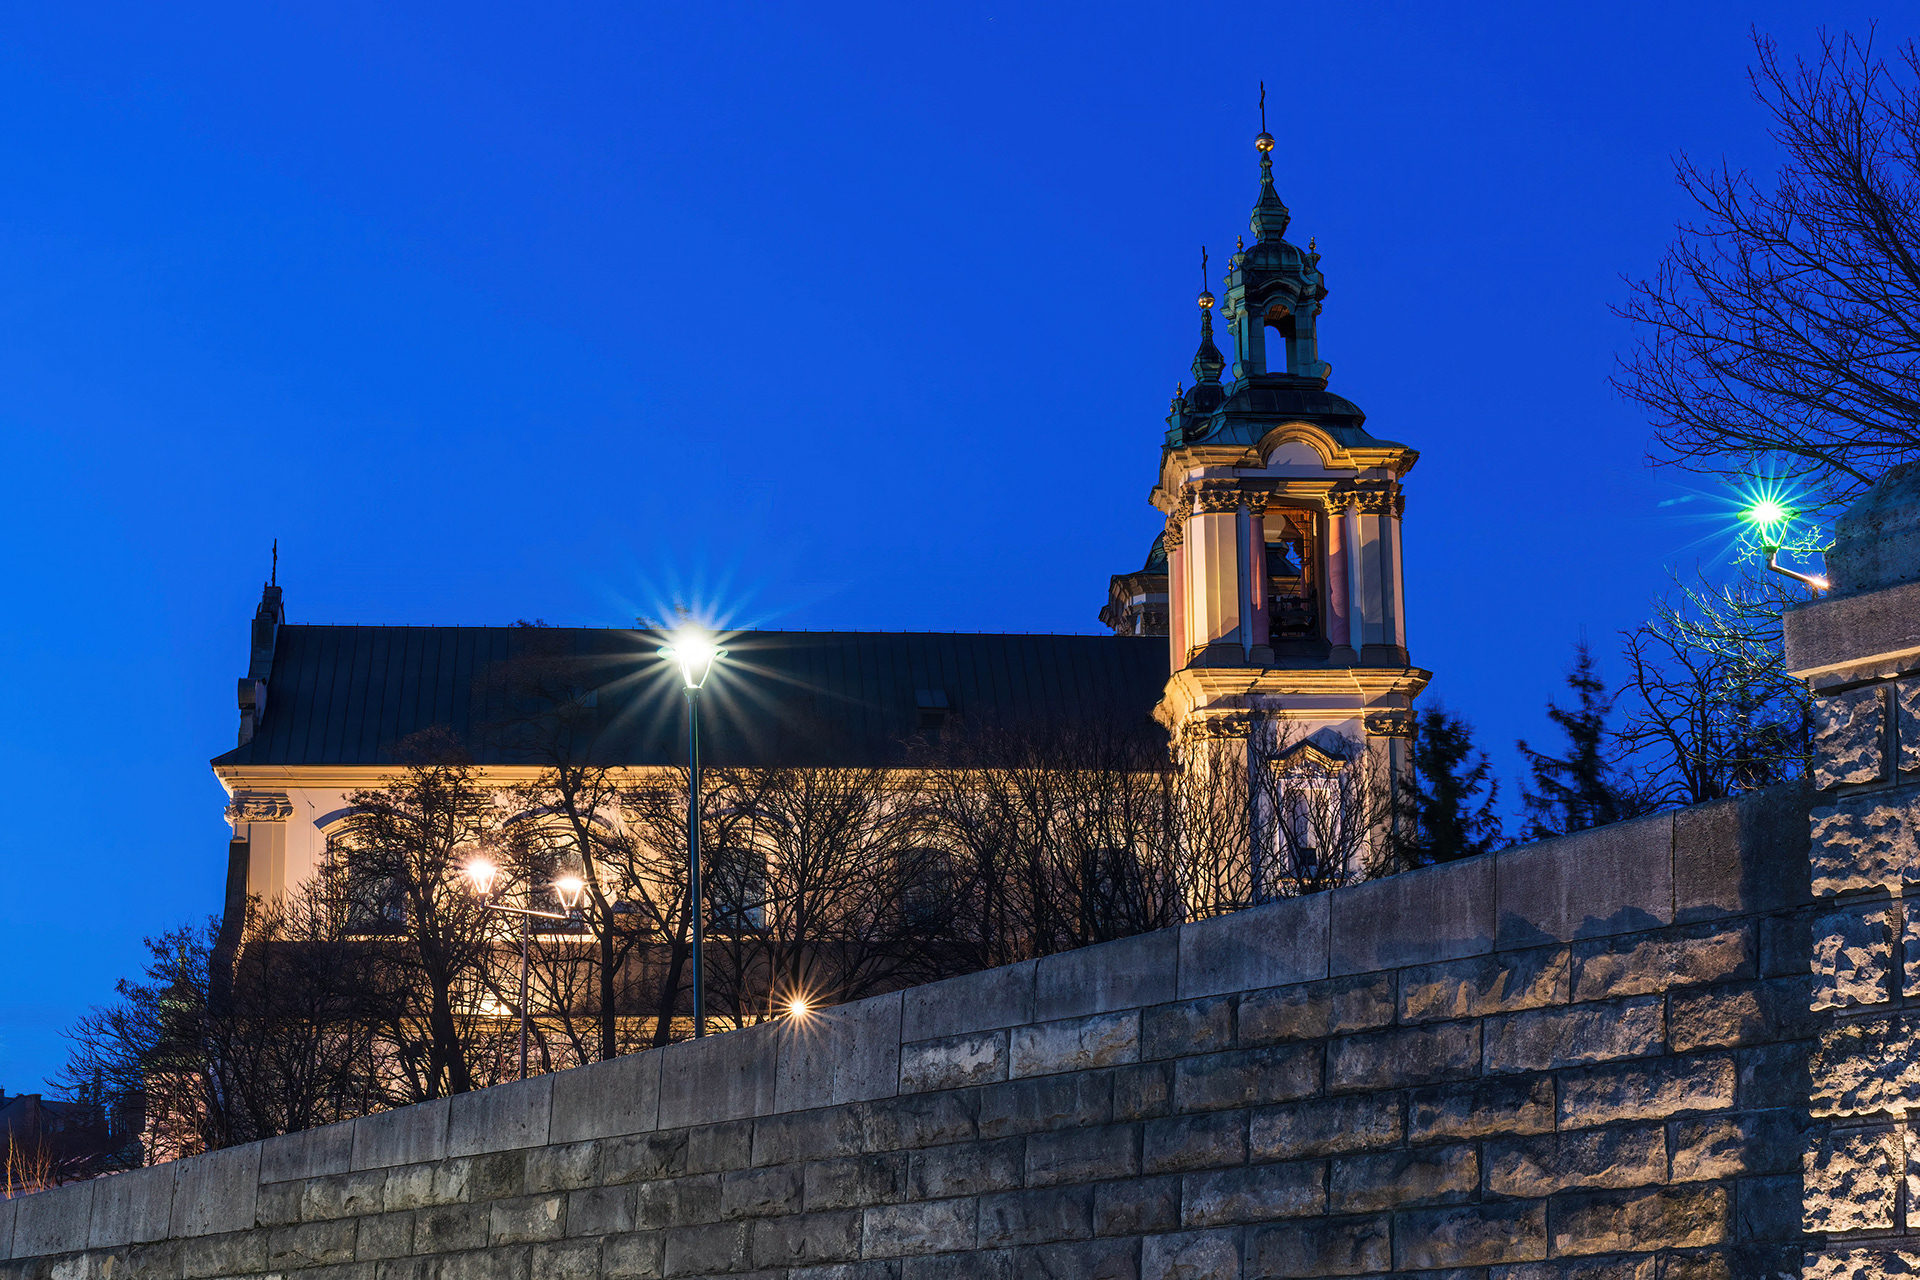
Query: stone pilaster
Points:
[1856, 648]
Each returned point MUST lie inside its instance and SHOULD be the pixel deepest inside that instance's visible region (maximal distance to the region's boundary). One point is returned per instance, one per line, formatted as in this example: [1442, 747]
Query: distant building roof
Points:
[349, 695]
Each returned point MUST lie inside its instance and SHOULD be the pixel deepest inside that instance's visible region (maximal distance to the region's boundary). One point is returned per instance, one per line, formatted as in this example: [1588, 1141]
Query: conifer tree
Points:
[1580, 788]
[1447, 804]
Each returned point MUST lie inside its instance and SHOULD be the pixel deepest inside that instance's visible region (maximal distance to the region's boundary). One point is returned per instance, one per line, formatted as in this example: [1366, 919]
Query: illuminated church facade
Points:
[1268, 619]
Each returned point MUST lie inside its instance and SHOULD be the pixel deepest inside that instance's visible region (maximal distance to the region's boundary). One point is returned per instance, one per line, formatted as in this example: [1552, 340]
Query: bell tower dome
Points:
[1286, 615]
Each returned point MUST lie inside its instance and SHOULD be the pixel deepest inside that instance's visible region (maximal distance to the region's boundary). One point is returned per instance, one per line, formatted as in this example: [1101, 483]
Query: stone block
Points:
[1316, 1010]
[678, 1202]
[235, 1253]
[419, 1186]
[1865, 842]
[1047, 1102]
[1131, 973]
[495, 1175]
[1746, 1013]
[1575, 1036]
[1075, 1044]
[938, 1226]
[760, 1193]
[1414, 918]
[1191, 1026]
[1861, 1066]
[1607, 880]
[713, 1147]
[1851, 1180]
[505, 1117]
[1480, 1109]
[1760, 1142]
[1273, 945]
[848, 1054]
[1744, 855]
[1083, 1260]
[806, 1239]
[631, 1257]
[854, 1182]
[1853, 955]
[405, 1135]
[1654, 963]
[990, 1000]
[876, 1269]
[1906, 707]
[346, 1195]
[1254, 1193]
[1035, 1217]
[53, 1221]
[1135, 1206]
[1246, 1077]
[387, 1235]
[601, 1211]
[1862, 1264]
[562, 1167]
[134, 1207]
[1482, 985]
[1847, 732]
[708, 1250]
[1407, 1056]
[1143, 1092]
[1083, 1155]
[311, 1153]
[449, 1228]
[1533, 1168]
[928, 1120]
[1348, 1247]
[215, 1192]
[607, 1099]
[312, 1244]
[810, 1135]
[1403, 1179]
[1325, 1126]
[953, 1062]
[1630, 1221]
[723, 1077]
[1786, 945]
[1210, 1140]
[1646, 1091]
[966, 1169]
[983, 1264]
[1191, 1255]
[1773, 1075]
[1471, 1236]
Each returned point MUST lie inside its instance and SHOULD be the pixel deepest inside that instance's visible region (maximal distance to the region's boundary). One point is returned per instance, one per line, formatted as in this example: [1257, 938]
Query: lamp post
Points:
[566, 888]
[696, 656]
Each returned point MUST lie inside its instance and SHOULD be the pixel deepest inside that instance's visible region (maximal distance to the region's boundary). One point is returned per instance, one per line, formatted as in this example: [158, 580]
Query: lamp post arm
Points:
[522, 911]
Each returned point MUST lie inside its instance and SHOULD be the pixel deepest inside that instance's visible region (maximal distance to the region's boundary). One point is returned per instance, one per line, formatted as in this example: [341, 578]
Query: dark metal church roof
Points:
[349, 695]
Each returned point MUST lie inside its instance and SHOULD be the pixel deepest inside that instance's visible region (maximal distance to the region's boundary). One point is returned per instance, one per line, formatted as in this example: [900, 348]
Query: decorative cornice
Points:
[1213, 497]
[1379, 497]
[1389, 724]
[259, 806]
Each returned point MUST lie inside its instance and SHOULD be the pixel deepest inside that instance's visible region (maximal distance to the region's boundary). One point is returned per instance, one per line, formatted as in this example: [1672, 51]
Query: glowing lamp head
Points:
[480, 874]
[569, 889]
[695, 654]
[798, 1007]
[1767, 513]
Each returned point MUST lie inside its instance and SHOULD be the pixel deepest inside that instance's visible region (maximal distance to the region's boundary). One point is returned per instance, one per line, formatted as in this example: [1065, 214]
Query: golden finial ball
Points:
[1206, 300]
[1264, 142]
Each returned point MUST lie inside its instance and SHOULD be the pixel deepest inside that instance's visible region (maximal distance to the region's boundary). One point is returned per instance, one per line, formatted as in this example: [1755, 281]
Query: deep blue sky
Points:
[837, 316]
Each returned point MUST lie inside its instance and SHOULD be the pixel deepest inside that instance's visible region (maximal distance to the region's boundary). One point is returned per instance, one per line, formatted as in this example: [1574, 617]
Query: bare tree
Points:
[1782, 332]
[1323, 812]
[1710, 709]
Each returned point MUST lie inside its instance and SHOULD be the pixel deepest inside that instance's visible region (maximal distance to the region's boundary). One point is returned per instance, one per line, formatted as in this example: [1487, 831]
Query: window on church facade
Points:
[1293, 611]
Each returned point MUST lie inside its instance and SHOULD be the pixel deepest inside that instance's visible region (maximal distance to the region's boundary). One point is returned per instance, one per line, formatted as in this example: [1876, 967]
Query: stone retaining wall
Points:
[1580, 1058]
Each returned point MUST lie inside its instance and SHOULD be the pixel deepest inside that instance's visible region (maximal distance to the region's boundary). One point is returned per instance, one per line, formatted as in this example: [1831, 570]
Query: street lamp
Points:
[1770, 517]
[695, 654]
[481, 874]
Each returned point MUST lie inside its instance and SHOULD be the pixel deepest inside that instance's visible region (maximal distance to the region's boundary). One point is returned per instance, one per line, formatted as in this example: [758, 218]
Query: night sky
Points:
[812, 316]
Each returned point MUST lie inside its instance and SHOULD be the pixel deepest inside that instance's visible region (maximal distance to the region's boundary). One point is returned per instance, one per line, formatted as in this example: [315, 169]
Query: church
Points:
[1268, 618]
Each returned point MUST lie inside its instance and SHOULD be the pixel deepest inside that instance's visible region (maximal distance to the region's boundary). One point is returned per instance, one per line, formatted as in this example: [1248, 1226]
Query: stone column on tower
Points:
[1213, 576]
[1254, 560]
[1174, 540]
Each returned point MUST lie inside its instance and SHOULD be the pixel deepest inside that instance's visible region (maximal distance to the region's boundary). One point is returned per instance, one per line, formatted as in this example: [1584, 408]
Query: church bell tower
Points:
[1285, 614]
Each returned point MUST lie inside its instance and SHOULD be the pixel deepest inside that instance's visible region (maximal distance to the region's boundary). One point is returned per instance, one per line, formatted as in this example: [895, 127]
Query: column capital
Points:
[1379, 497]
[259, 806]
[1211, 497]
[1176, 533]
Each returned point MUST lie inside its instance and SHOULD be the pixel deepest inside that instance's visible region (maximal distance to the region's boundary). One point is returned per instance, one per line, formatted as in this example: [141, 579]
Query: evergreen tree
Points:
[1580, 788]
[1446, 806]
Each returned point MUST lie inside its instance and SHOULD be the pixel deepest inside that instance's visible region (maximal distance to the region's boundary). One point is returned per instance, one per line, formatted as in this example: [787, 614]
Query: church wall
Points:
[1579, 1058]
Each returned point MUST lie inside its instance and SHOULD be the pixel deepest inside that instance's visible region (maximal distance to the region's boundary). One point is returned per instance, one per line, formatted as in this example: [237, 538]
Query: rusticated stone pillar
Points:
[1859, 650]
